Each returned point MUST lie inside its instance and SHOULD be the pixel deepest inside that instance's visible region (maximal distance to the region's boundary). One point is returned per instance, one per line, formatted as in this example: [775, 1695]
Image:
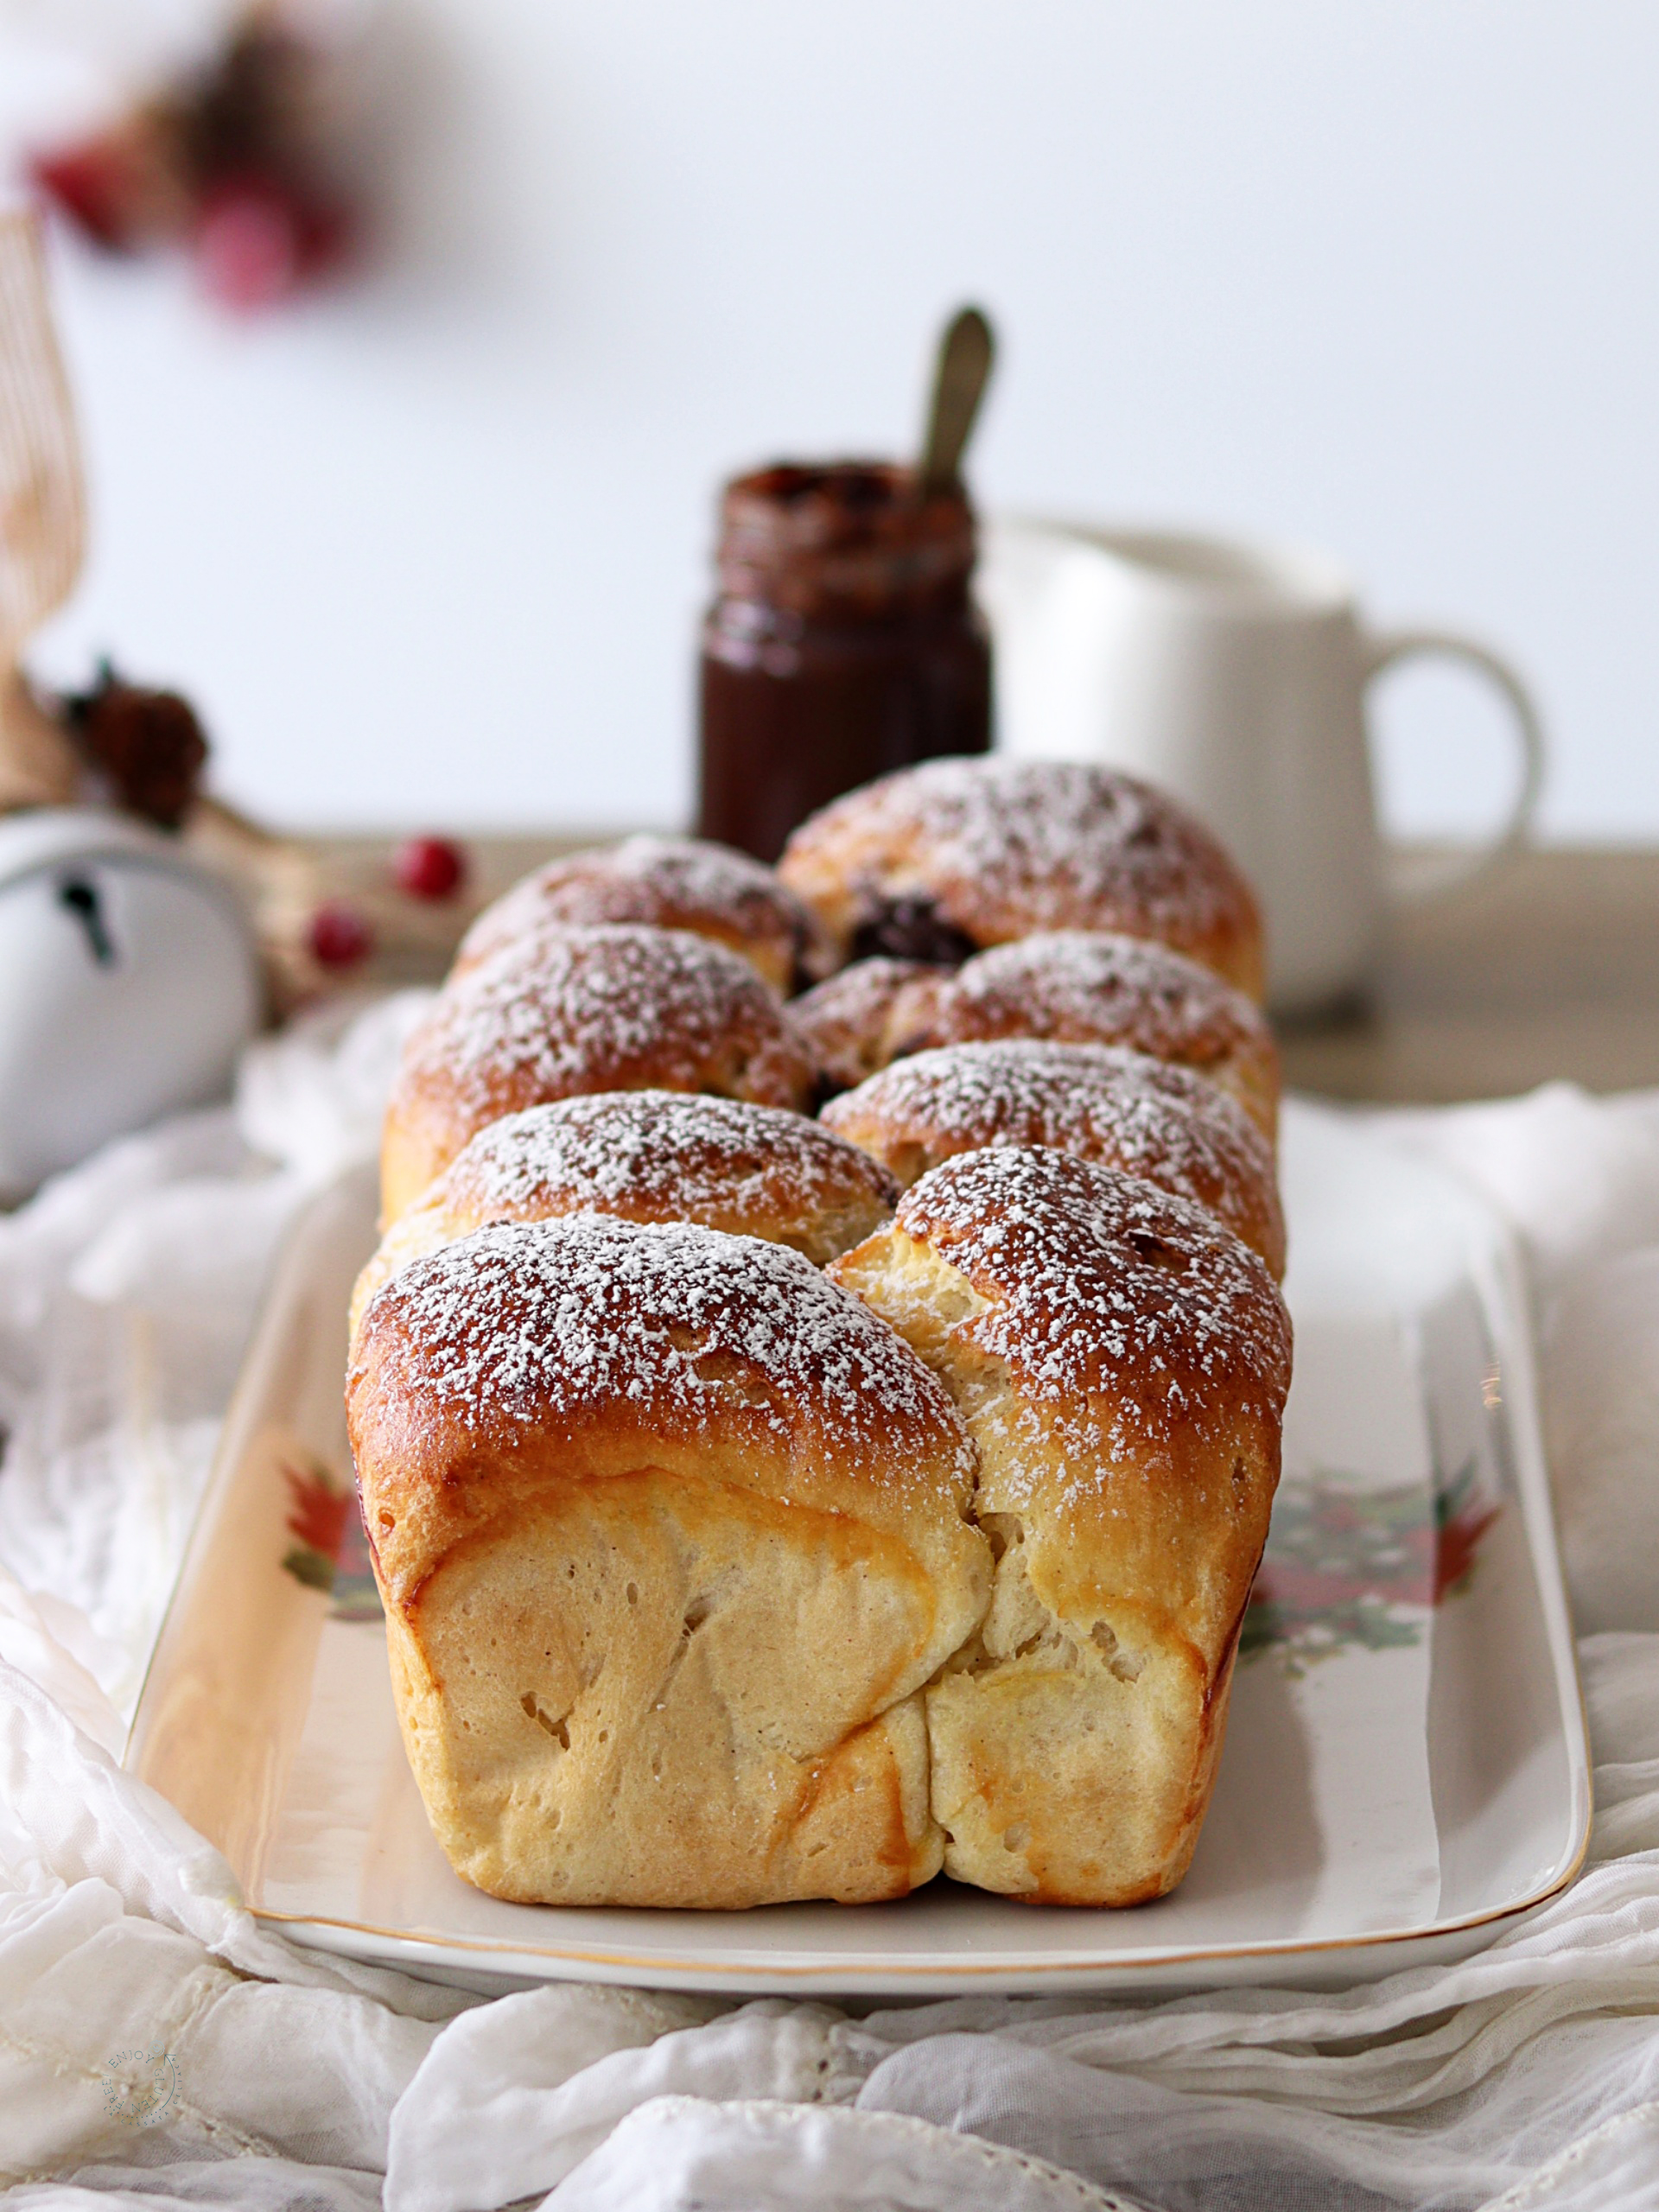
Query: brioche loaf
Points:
[748, 1531]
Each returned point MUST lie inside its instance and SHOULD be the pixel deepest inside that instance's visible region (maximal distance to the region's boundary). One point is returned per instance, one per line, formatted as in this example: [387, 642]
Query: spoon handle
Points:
[966, 353]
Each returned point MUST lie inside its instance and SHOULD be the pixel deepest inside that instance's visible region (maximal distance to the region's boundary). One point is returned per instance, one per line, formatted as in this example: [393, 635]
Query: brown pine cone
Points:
[147, 745]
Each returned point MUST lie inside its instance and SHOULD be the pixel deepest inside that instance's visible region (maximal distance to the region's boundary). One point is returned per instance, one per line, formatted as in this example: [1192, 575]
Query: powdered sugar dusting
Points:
[698, 872]
[606, 1008]
[670, 882]
[1086, 986]
[660, 1155]
[531, 1325]
[1104, 1103]
[1128, 1316]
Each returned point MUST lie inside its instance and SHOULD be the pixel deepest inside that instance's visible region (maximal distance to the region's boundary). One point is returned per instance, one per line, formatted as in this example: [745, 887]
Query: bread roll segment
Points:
[1088, 987]
[671, 1532]
[570, 1012]
[852, 1022]
[956, 855]
[1161, 1122]
[673, 883]
[648, 1155]
[1121, 1361]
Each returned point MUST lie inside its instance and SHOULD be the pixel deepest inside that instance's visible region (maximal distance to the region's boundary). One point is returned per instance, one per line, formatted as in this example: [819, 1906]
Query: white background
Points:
[1378, 275]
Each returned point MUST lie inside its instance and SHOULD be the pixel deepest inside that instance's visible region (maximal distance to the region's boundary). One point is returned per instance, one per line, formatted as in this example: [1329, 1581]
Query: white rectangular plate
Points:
[1405, 1769]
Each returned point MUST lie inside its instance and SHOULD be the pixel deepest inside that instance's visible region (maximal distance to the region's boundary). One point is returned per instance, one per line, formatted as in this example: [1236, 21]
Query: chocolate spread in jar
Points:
[843, 644]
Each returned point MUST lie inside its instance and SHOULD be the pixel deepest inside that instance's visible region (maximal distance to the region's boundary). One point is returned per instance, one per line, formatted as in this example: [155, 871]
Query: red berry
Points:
[94, 184]
[249, 246]
[430, 867]
[258, 238]
[328, 236]
[339, 935]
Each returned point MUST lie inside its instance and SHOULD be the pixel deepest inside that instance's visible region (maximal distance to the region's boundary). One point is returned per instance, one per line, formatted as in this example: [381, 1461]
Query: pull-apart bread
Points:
[671, 883]
[1121, 1362]
[1102, 1102]
[672, 1533]
[567, 1012]
[752, 1527]
[648, 1155]
[940, 861]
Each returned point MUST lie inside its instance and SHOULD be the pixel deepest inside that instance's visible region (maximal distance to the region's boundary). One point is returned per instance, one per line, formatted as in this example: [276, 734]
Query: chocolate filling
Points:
[909, 929]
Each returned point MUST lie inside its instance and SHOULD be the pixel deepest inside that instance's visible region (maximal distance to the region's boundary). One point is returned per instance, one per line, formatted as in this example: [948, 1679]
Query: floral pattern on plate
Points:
[330, 1552]
[1349, 1567]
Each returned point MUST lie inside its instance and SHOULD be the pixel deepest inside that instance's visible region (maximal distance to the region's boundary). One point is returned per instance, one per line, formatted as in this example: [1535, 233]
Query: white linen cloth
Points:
[159, 2048]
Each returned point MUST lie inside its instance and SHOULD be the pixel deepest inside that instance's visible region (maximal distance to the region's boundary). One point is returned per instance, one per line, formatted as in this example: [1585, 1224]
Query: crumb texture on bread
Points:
[1121, 1361]
[672, 1533]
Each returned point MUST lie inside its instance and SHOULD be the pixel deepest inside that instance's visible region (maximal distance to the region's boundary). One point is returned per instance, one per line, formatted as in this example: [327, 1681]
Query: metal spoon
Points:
[966, 353]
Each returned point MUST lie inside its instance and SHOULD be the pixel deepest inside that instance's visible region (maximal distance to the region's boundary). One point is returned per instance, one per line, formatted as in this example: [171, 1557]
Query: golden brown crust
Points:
[672, 1533]
[670, 883]
[1081, 987]
[1103, 1103]
[574, 1011]
[1121, 1361]
[615, 1344]
[852, 1022]
[975, 852]
[648, 1155]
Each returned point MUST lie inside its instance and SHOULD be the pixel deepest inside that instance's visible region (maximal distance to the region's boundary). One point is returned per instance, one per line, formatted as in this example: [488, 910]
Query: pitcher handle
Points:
[1385, 652]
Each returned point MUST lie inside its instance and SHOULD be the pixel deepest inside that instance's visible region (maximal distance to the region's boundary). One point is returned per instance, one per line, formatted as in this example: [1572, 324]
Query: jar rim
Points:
[848, 533]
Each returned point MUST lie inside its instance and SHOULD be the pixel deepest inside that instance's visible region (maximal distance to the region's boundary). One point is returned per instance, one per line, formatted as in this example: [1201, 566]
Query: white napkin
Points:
[159, 2048]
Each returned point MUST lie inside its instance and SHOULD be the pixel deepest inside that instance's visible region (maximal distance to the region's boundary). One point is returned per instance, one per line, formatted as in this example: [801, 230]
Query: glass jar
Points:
[843, 644]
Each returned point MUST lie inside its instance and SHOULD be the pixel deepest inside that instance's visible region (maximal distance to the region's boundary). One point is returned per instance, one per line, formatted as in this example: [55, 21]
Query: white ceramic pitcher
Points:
[1235, 676]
